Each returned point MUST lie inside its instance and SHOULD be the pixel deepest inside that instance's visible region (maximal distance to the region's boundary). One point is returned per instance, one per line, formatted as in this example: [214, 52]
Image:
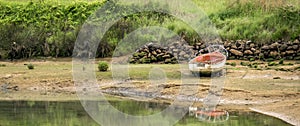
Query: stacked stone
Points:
[241, 49]
[181, 51]
[249, 50]
[152, 53]
[173, 53]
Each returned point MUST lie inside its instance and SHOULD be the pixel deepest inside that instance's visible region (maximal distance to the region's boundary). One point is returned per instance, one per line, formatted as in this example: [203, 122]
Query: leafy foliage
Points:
[50, 29]
[43, 29]
[103, 66]
[30, 66]
[251, 21]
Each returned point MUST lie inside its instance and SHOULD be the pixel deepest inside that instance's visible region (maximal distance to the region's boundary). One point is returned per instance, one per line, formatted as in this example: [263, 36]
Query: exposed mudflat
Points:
[271, 92]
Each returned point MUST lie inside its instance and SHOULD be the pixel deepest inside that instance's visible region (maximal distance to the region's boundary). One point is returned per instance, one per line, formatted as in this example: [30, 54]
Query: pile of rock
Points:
[249, 50]
[154, 53]
[180, 51]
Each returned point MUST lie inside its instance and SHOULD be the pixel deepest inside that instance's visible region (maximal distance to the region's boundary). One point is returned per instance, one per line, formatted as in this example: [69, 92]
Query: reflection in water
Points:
[71, 113]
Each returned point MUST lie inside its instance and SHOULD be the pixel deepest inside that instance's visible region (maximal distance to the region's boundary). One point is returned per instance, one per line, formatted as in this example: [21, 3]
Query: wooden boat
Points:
[207, 64]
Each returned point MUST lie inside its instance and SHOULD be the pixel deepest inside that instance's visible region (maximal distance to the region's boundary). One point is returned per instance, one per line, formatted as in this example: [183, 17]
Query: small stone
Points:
[249, 42]
[166, 56]
[276, 78]
[234, 47]
[175, 50]
[283, 47]
[282, 53]
[182, 53]
[236, 52]
[186, 56]
[273, 53]
[274, 45]
[290, 47]
[227, 43]
[296, 42]
[289, 52]
[257, 52]
[248, 52]
[295, 47]
[154, 53]
[168, 61]
[265, 47]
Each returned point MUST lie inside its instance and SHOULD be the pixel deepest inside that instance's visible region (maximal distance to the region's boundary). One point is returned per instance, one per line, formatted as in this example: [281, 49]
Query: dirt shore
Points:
[271, 92]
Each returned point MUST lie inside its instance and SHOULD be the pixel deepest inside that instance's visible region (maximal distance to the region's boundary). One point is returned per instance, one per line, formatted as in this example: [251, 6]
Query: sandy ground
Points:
[245, 89]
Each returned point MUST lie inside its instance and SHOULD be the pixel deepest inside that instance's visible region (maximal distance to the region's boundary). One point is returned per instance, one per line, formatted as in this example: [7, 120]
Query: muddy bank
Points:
[279, 116]
[244, 87]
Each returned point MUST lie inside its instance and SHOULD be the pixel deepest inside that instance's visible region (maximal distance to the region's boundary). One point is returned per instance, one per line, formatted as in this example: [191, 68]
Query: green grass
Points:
[142, 71]
[57, 23]
[65, 2]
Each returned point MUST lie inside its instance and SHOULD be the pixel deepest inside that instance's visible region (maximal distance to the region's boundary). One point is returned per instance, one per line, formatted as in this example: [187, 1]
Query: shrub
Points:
[30, 66]
[252, 59]
[2, 65]
[103, 66]
[272, 64]
[233, 64]
[244, 63]
[281, 61]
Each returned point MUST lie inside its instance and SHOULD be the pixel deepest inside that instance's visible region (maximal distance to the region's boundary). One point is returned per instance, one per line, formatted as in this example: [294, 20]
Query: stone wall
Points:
[172, 53]
[240, 49]
[248, 50]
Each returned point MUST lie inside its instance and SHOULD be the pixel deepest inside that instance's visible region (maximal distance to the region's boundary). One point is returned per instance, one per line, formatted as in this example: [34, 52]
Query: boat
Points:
[207, 64]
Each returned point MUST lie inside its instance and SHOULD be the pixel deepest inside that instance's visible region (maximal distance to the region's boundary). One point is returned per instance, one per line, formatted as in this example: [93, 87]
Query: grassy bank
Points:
[50, 28]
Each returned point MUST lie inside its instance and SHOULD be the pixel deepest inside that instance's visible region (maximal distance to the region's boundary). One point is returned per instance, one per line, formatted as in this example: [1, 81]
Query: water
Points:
[71, 113]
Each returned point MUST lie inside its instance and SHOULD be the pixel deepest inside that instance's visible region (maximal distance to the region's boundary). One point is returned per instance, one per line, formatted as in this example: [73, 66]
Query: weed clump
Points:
[103, 66]
[30, 66]
[281, 61]
[272, 64]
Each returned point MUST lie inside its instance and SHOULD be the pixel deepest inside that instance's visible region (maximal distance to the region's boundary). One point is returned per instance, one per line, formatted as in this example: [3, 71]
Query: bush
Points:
[272, 64]
[252, 59]
[30, 66]
[244, 63]
[233, 64]
[103, 66]
[281, 61]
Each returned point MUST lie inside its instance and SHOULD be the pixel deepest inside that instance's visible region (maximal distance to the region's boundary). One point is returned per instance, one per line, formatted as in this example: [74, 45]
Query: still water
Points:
[71, 113]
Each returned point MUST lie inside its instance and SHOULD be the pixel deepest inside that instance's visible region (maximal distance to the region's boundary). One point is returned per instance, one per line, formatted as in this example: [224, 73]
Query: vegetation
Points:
[49, 28]
[281, 61]
[103, 66]
[30, 66]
